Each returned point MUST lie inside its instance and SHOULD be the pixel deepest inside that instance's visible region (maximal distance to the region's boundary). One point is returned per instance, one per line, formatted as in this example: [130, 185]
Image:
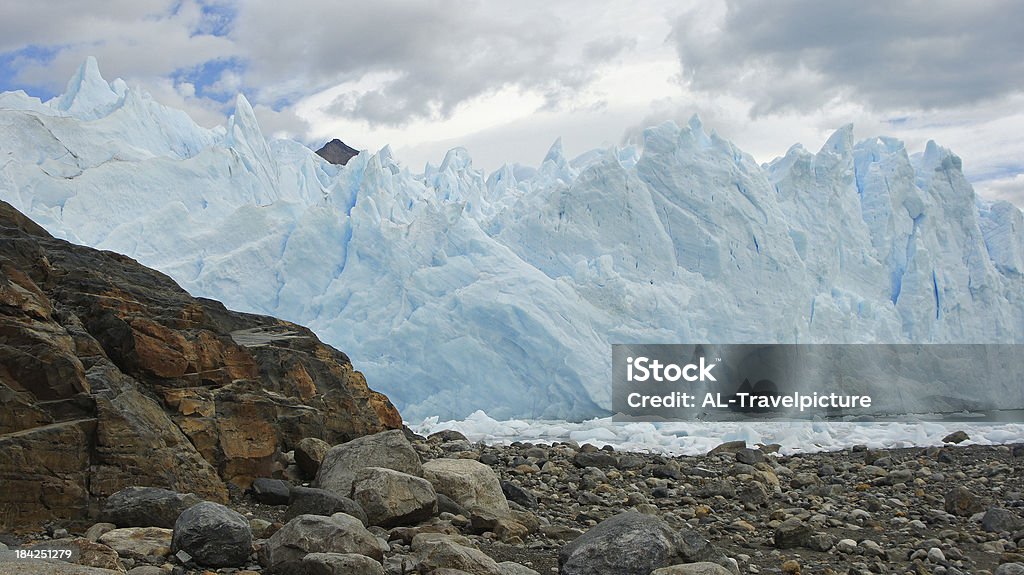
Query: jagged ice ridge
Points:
[454, 292]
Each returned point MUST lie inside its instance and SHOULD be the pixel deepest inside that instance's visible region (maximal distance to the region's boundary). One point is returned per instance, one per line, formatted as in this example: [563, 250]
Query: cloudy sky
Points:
[506, 79]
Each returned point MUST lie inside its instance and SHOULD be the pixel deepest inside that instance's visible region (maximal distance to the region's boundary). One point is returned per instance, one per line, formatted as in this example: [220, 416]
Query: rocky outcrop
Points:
[337, 152]
[112, 376]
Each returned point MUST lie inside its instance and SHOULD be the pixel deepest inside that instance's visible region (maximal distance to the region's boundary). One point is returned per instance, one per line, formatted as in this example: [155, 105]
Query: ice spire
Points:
[88, 96]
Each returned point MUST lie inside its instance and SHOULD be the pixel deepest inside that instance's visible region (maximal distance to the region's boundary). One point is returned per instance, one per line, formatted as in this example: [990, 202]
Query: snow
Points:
[456, 291]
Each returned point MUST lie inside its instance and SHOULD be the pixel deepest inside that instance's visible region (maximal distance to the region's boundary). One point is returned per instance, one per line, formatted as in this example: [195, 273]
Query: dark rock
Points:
[521, 496]
[626, 462]
[599, 459]
[749, 456]
[309, 454]
[446, 504]
[312, 501]
[714, 488]
[998, 520]
[793, 533]
[146, 507]
[729, 447]
[213, 535]
[337, 152]
[271, 491]
[633, 544]
[956, 437]
[1010, 569]
[446, 435]
[752, 493]
[961, 501]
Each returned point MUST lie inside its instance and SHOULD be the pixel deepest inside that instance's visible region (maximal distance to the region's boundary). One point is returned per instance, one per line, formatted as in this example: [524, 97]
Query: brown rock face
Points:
[112, 376]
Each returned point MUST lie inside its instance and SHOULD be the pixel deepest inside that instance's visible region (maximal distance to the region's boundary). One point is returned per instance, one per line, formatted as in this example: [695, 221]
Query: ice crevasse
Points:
[454, 291]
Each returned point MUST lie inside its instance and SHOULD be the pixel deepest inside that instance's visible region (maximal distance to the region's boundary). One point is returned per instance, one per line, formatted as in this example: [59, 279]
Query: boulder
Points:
[510, 568]
[446, 553]
[519, 494]
[86, 552]
[94, 532]
[469, 483]
[998, 520]
[632, 543]
[139, 542]
[749, 456]
[340, 533]
[961, 501]
[340, 564]
[793, 533]
[309, 454]
[956, 437]
[271, 491]
[213, 535]
[594, 459]
[389, 449]
[391, 498]
[146, 507]
[311, 501]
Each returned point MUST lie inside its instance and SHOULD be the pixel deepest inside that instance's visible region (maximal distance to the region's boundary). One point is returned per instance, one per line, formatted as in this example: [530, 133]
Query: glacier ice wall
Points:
[454, 292]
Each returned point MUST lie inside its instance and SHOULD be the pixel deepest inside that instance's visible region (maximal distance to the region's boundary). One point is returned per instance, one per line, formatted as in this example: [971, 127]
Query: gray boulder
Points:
[632, 543]
[469, 483]
[997, 520]
[340, 564]
[391, 498]
[213, 535]
[389, 449]
[271, 491]
[793, 533]
[339, 533]
[518, 494]
[439, 553]
[146, 507]
[310, 501]
[510, 568]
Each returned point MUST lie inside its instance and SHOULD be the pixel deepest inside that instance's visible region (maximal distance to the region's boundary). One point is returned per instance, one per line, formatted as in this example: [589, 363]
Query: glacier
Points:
[456, 291]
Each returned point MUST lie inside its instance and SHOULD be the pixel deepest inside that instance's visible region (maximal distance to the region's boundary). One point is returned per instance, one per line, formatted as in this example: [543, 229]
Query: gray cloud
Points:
[902, 54]
[438, 54]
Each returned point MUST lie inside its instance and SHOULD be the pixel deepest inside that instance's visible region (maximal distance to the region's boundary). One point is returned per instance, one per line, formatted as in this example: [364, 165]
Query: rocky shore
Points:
[398, 503]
